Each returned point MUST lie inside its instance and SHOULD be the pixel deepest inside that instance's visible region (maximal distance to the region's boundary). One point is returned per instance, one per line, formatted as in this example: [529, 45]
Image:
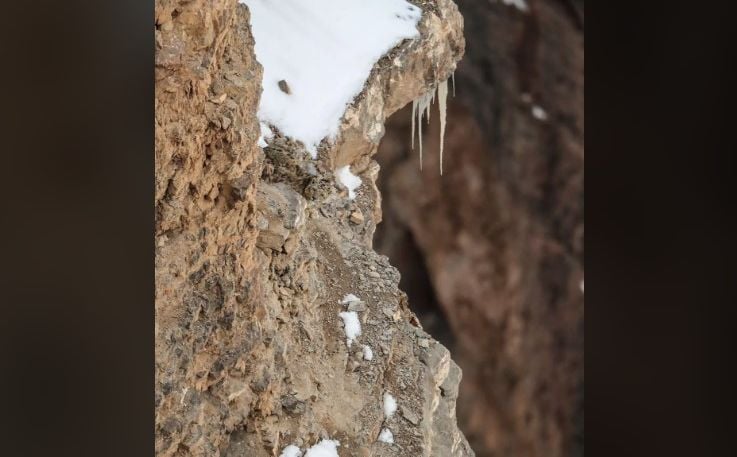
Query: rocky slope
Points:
[255, 249]
[501, 232]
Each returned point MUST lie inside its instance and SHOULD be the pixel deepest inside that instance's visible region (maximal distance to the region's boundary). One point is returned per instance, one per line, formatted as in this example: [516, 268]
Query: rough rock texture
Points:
[501, 232]
[256, 248]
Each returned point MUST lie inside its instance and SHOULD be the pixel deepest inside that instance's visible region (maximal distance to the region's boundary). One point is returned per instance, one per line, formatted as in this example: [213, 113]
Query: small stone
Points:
[270, 240]
[225, 123]
[423, 342]
[357, 306]
[374, 274]
[357, 217]
[410, 416]
[292, 406]
[219, 99]
[284, 87]
[217, 89]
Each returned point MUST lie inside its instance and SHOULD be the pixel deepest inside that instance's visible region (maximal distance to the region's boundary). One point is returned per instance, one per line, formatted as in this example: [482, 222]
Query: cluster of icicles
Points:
[421, 107]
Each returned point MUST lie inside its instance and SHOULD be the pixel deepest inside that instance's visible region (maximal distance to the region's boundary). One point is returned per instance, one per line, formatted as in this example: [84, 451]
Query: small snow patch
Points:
[352, 325]
[325, 448]
[266, 134]
[348, 299]
[390, 405]
[348, 180]
[539, 113]
[519, 4]
[386, 436]
[317, 55]
[291, 451]
[368, 354]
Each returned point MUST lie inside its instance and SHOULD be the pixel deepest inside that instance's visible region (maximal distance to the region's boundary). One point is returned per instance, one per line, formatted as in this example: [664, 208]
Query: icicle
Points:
[453, 81]
[428, 104]
[442, 106]
[419, 134]
[414, 110]
[421, 108]
[423, 104]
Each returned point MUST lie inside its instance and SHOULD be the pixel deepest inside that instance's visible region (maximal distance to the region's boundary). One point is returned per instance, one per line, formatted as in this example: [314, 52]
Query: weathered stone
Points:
[407, 413]
[357, 306]
[357, 217]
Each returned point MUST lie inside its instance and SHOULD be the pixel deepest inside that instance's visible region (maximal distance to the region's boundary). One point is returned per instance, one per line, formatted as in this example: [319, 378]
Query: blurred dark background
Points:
[491, 253]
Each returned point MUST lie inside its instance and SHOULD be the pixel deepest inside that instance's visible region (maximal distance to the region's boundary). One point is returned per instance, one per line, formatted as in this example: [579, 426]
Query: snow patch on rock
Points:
[348, 299]
[539, 113]
[291, 451]
[351, 324]
[348, 180]
[325, 448]
[519, 4]
[317, 55]
[390, 405]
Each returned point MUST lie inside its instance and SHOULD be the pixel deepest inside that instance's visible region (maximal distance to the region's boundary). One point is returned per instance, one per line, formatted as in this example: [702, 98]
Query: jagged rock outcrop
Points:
[255, 249]
[501, 232]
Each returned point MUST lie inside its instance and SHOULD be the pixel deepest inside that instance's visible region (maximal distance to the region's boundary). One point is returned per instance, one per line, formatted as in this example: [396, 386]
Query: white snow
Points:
[349, 180]
[266, 134]
[390, 405]
[324, 50]
[539, 113]
[368, 353]
[519, 4]
[349, 298]
[386, 436]
[352, 325]
[291, 451]
[325, 448]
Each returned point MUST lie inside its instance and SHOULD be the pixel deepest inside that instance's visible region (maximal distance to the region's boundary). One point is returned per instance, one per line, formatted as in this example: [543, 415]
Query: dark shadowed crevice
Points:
[397, 243]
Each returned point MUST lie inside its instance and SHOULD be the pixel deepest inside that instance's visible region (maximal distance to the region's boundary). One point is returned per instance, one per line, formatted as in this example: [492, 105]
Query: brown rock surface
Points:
[255, 250]
[501, 232]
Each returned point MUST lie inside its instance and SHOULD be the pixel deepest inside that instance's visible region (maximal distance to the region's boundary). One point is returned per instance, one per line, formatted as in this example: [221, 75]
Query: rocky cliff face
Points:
[501, 232]
[255, 250]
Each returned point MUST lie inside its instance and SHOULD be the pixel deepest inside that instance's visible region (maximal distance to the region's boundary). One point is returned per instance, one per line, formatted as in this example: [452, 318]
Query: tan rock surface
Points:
[255, 249]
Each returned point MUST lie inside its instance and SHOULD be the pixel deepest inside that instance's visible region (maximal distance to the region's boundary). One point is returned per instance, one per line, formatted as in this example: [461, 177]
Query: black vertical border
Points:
[77, 180]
